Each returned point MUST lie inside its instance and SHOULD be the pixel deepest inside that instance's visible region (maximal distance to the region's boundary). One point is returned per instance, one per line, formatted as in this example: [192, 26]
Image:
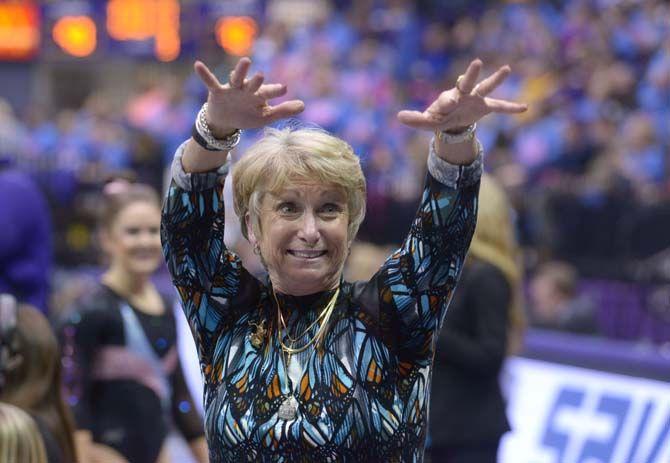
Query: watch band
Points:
[451, 138]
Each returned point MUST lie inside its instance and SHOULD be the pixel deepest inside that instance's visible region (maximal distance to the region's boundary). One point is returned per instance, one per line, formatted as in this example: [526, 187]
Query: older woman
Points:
[305, 366]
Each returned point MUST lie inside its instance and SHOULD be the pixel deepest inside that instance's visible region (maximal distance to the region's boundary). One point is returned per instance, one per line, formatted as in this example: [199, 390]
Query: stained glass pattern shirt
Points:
[363, 396]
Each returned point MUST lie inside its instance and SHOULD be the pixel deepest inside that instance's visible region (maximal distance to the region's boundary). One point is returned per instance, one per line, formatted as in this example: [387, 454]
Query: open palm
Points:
[242, 103]
[464, 104]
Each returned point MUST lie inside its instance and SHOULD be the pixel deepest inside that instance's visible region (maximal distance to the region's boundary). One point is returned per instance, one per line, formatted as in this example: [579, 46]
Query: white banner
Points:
[563, 414]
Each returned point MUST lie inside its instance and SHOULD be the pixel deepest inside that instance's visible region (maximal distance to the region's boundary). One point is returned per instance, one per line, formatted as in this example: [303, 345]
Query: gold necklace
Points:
[325, 315]
[289, 407]
[319, 318]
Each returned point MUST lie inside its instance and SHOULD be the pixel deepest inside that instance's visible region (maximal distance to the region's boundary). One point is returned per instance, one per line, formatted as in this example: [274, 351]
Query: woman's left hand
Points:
[466, 103]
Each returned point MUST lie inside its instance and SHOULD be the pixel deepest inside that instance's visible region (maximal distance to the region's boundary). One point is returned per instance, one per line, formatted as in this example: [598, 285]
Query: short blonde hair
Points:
[20, 439]
[283, 156]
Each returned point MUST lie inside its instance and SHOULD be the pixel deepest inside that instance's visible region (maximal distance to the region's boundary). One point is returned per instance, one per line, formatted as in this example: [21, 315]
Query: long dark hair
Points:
[34, 384]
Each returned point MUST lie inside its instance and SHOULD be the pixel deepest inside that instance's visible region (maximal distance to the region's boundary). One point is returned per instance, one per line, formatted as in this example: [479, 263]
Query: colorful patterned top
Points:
[363, 396]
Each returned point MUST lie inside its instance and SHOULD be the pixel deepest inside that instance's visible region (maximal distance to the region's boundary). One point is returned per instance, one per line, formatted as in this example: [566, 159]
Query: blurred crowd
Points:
[586, 167]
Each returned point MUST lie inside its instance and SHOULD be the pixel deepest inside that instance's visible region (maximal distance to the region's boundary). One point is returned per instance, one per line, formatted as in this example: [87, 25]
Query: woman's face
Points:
[132, 241]
[303, 238]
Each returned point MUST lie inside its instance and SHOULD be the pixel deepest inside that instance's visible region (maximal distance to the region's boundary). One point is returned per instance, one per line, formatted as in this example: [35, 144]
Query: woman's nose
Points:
[148, 239]
[309, 230]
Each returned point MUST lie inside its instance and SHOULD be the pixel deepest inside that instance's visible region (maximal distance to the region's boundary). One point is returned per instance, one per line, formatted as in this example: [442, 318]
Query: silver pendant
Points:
[288, 409]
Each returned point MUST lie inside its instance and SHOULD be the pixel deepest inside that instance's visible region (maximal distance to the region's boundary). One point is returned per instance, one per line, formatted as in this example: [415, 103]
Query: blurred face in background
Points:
[546, 298]
[132, 239]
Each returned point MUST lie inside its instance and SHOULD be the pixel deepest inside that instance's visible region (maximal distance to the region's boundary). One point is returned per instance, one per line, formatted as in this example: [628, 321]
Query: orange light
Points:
[236, 34]
[145, 19]
[19, 30]
[76, 35]
[130, 19]
[168, 43]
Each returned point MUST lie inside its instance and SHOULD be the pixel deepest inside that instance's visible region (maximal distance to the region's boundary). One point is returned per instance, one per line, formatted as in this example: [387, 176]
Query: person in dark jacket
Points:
[25, 238]
[483, 324]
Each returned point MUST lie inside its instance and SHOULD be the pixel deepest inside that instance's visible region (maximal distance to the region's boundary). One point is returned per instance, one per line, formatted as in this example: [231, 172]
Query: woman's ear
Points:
[250, 230]
[105, 240]
[253, 239]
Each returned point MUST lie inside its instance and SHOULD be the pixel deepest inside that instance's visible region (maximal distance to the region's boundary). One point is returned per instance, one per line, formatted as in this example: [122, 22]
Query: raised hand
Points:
[242, 103]
[465, 103]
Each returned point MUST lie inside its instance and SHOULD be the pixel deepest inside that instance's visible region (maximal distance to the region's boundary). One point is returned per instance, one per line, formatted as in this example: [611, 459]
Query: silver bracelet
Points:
[451, 138]
[207, 140]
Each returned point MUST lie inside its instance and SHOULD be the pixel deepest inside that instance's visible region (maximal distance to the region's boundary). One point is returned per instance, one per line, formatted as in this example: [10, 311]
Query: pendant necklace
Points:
[288, 409]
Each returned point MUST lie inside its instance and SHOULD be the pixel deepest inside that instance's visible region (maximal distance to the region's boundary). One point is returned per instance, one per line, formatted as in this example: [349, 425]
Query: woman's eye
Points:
[287, 208]
[331, 209]
[134, 231]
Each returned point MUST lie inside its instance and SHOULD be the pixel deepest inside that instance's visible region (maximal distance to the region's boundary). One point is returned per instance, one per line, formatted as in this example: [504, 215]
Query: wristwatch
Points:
[203, 136]
[451, 138]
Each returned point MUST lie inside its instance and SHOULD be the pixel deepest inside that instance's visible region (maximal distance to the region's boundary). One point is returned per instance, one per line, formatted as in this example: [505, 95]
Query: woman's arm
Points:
[415, 284]
[199, 449]
[210, 279]
[186, 417]
[92, 452]
[80, 336]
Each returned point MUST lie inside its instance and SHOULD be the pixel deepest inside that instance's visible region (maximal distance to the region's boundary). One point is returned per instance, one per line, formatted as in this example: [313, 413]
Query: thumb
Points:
[286, 109]
[415, 119]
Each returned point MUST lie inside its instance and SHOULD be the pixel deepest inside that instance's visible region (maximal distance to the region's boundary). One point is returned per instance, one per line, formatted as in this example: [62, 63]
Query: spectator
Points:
[32, 376]
[555, 303]
[19, 439]
[124, 380]
[25, 238]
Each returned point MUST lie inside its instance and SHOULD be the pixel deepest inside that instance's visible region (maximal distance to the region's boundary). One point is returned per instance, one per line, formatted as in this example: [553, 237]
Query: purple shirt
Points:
[25, 239]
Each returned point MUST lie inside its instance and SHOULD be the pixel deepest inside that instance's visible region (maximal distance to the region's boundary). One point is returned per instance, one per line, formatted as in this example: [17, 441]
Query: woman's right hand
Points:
[99, 453]
[242, 103]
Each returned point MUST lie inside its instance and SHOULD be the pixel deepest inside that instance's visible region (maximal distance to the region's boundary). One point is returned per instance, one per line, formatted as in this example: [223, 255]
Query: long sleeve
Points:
[80, 337]
[185, 414]
[481, 349]
[415, 283]
[213, 286]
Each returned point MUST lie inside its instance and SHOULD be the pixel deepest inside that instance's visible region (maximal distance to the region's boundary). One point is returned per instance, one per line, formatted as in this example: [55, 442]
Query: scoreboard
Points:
[163, 30]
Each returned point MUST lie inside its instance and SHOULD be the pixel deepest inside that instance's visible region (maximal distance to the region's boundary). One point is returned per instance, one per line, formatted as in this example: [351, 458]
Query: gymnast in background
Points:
[124, 380]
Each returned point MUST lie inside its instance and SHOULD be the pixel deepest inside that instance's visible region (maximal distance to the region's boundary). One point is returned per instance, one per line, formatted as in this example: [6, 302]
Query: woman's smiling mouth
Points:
[306, 254]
